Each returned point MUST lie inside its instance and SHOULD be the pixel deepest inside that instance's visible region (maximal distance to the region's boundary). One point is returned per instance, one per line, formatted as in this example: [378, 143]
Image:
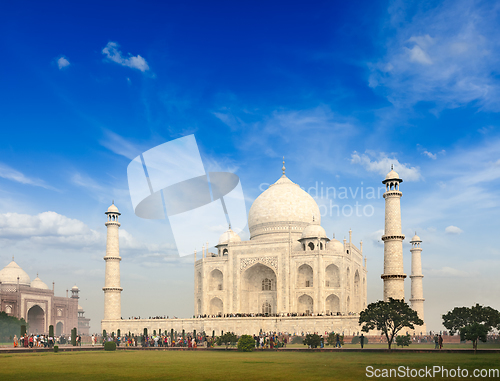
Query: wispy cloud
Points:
[10, 173]
[381, 163]
[447, 54]
[119, 145]
[113, 54]
[450, 272]
[453, 230]
[62, 62]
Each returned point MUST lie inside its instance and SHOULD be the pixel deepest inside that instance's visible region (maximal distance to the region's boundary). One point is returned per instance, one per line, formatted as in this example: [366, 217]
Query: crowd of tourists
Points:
[151, 317]
[240, 315]
[33, 341]
[40, 341]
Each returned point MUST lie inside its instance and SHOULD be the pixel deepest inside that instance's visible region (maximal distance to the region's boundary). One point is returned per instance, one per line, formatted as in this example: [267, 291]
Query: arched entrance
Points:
[216, 306]
[332, 304]
[305, 305]
[305, 276]
[59, 329]
[259, 290]
[332, 276]
[216, 280]
[36, 320]
[357, 292]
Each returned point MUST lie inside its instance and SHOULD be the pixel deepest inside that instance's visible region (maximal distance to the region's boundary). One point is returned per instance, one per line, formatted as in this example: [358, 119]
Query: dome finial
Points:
[113, 203]
[392, 167]
[283, 169]
[12, 258]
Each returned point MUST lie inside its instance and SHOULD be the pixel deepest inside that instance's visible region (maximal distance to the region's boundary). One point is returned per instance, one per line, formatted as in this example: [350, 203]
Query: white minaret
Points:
[393, 275]
[112, 289]
[417, 291]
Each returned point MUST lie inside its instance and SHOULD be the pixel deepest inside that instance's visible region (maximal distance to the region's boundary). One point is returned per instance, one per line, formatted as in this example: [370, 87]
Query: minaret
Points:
[112, 289]
[393, 275]
[417, 291]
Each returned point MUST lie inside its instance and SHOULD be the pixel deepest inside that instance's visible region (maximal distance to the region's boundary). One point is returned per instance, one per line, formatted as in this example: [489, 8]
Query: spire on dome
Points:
[283, 169]
[392, 167]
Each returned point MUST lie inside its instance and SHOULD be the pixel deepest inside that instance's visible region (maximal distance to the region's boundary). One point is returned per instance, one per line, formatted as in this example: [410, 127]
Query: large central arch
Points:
[258, 289]
[36, 319]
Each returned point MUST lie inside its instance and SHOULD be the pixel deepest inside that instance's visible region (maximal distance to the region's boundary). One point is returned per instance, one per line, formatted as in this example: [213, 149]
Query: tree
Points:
[313, 340]
[472, 323]
[389, 318]
[227, 339]
[246, 343]
[403, 341]
[10, 326]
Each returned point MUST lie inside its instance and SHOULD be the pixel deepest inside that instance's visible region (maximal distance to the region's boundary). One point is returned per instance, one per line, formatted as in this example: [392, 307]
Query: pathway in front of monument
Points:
[70, 348]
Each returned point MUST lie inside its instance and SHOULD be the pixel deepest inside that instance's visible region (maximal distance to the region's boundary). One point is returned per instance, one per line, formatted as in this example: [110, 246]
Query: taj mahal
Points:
[288, 277]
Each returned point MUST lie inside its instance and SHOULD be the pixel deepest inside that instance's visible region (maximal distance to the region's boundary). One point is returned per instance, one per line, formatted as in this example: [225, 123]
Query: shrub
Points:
[297, 340]
[403, 341]
[56, 348]
[246, 343]
[313, 340]
[110, 346]
[357, 340]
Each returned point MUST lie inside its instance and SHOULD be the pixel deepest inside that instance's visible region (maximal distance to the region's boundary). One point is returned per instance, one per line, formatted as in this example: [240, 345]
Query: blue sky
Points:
[341, 89]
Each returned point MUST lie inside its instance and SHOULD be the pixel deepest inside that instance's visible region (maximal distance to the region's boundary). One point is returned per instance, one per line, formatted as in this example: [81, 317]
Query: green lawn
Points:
[221, 365]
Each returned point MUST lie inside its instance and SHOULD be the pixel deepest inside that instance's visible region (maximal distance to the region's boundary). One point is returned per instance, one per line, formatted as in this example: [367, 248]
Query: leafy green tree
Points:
[403, 341]
[472, 323]
[313, 340]
[10, 326]
[331, 339]
[389, 318]
[246, 343]
[227, 338]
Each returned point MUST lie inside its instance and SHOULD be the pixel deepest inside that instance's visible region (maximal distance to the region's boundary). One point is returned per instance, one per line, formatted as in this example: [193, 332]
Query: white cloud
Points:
[382, 166]
[62, 62]
[48, 228]
[450, 272]
[113, 54]
[418, 55]
[453, 230]
[444, 54]
[430, 155]
[120, 145]
[9, 173]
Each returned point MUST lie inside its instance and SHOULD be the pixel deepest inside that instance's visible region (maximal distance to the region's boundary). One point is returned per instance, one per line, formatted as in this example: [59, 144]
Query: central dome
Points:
[284, 204]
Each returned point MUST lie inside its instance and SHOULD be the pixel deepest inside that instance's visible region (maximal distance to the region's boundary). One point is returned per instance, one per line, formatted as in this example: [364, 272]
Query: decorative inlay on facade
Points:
[268, 261]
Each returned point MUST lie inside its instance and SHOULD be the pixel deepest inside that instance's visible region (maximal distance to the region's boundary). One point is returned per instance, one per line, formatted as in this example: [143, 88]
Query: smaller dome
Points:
[11, 272]
[335, 245]
[313, 231]
[37, 283]
[392, 175]
[416, 238]
[80, 308]
[113, 209]
[74, 288]
[229, 236]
